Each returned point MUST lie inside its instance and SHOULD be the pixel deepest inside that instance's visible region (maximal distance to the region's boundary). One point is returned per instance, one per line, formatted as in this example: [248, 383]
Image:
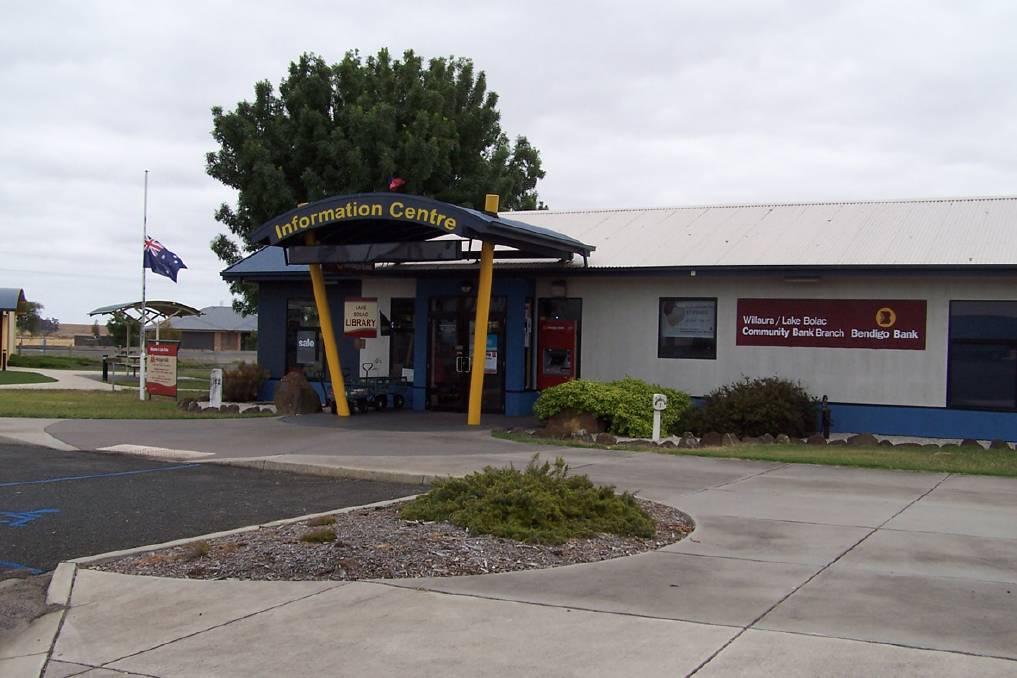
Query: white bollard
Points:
[215, 388]
[659, 405]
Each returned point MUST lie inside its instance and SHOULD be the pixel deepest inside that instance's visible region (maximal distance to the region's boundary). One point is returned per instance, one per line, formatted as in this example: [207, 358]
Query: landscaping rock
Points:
[840, 441]
[255, 410]
[783, 439]
[970, 442]
[998, 444]
[886, 443]
[194, 406]
[571, 421]
[711, 439]
[294, 395]
[688, 443]
[666, 443]
[767, 439]
[185, 403]
[728, 440]
[866, 439]
[230, 409]
[606, 439]
[815, 439]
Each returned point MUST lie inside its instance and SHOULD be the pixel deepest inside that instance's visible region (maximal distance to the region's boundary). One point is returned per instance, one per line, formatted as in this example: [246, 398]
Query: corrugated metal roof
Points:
[10, 297]
[934, 232]
[217, 319]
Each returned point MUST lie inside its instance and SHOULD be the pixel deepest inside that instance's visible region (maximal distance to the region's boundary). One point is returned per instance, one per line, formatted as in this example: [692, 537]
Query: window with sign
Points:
[687, 328]
[983, 355]
[303, 338]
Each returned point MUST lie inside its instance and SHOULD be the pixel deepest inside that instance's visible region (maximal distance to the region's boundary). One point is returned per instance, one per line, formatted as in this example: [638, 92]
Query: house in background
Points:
[218, 328]
[9, 299]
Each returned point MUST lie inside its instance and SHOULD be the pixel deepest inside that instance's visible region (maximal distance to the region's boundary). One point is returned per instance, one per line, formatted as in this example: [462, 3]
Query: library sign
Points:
[832, 323]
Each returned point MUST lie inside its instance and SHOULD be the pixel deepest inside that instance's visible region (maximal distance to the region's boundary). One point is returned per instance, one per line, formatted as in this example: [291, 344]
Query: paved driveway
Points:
[793, 570]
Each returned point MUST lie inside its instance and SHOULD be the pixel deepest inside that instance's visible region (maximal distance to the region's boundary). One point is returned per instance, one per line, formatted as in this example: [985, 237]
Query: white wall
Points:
[384, 289]
[619, 331]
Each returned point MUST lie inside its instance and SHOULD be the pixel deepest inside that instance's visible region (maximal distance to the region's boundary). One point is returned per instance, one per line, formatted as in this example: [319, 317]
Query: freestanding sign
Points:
[215, 388]
[161, 370]
[832, 323]
[361, 317]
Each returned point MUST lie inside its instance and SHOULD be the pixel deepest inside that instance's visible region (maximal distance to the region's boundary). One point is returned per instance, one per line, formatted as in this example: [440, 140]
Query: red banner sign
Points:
[832, 323]
[161, 369]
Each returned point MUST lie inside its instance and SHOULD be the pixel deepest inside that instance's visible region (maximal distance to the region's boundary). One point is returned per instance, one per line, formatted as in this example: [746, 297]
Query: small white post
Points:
[659, 405]
[215, 388]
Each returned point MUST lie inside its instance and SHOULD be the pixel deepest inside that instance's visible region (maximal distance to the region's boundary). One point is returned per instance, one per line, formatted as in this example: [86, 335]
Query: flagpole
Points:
[141, 323]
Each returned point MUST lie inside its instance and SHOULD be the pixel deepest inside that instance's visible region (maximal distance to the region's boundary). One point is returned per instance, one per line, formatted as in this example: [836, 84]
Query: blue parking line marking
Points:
[11, 565]
[22, 518]
[98, 475]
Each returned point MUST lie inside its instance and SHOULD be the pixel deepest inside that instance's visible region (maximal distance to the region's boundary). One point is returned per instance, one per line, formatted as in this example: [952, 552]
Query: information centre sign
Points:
[832, 323]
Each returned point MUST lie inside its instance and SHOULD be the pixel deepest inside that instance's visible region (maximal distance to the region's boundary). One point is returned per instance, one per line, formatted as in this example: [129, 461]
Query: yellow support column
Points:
[328, 336]
[480, 323]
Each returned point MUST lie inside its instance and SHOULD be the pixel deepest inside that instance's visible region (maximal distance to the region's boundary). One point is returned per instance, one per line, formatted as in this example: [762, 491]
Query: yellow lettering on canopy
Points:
[450, 224]
[396, 209]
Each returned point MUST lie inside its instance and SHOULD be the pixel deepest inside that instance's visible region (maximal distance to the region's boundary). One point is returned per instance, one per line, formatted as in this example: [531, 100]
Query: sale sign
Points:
[832, 323]
[161, 368]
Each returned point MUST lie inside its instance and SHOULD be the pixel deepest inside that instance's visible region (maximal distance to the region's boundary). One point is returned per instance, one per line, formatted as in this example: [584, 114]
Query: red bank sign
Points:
[832, 323]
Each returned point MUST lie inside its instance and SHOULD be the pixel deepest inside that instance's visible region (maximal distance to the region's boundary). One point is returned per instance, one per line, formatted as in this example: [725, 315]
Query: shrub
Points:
[752, 407]
[240, 383]
[321, 535]
[542, 504]
[625, 405]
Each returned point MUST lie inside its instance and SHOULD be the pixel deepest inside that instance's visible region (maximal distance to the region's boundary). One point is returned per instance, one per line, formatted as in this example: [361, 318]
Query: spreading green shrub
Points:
[625, 405]
[542, 504]
[752, 407]
[241, 382]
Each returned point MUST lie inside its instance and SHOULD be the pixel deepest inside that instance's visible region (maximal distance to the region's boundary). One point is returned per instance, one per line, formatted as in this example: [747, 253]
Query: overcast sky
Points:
[631, 105]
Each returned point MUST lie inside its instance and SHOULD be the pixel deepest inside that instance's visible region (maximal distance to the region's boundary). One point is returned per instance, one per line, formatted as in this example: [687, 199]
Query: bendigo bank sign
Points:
[832, 323]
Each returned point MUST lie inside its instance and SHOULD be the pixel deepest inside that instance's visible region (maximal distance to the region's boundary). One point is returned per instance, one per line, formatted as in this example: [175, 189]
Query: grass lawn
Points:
[23, 378]
[947, 459]
[96, 405]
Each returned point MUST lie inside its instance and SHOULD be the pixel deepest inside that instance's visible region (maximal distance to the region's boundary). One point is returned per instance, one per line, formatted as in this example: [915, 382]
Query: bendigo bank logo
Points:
[886, 317]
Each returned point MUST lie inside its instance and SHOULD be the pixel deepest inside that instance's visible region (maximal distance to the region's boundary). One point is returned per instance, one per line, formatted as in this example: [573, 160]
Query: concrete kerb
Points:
[348, 472]
[114, 555]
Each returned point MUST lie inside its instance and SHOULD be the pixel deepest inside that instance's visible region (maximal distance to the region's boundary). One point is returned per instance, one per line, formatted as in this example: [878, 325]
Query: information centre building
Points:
[903, 313]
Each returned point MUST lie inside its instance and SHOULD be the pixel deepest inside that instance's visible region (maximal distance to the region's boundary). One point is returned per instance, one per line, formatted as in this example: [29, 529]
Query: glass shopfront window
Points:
[400, 345]
[983, 355]
[687, 328]
[303, 339]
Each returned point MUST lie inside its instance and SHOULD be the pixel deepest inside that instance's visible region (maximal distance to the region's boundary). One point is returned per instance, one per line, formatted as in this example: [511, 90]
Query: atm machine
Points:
[556, 346]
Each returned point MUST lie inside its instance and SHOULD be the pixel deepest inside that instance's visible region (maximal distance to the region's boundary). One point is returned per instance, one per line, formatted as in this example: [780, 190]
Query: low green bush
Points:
[625, 405]
[541, 504]
[241, 382]
[752, 407]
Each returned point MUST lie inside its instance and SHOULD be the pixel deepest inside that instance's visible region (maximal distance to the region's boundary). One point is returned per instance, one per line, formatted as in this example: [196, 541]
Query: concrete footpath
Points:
[793, 570]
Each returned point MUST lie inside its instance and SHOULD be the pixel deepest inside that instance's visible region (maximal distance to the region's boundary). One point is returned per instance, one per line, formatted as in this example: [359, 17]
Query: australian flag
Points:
[161, 260]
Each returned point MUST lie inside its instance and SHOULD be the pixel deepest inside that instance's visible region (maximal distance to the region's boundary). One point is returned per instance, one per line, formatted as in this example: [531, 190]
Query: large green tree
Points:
[353, 126]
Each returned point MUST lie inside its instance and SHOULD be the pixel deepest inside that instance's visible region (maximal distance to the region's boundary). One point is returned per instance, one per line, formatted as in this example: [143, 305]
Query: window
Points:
[303, 338]
[687, 328]
[400, 345]
[983, 355]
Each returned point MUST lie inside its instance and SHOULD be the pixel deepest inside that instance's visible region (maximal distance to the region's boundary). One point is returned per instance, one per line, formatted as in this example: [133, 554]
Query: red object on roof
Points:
[396, 183]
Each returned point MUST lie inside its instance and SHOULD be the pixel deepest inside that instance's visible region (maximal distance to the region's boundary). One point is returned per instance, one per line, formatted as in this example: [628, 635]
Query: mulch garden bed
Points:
[375, 543]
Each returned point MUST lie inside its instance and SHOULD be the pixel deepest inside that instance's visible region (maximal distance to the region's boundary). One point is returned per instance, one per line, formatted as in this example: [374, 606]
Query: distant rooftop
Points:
[217, 319]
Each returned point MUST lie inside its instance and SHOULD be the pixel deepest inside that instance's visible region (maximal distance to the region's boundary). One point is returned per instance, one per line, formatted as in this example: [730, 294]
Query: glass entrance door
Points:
[450, 354]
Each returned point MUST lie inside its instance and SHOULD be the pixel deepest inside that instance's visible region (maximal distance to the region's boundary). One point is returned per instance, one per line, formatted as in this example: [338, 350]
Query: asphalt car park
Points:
[59, 505]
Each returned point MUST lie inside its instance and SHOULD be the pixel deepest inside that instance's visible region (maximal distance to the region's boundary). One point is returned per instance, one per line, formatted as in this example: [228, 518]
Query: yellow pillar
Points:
[480, 323]
[328, 336]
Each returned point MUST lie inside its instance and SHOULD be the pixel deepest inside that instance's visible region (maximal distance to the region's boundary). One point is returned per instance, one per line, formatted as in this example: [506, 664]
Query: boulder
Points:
[886, 443]
[815, 439]
[840, 441]
[998, 444]
[254, 410]
[863, 439]
[294, 395]
[712, 439]
[783, 439]
[230, 409]
[606, 439]
[970, 442]
[767, 439]
[688, 443]
[571, 421]
[666, 443]
[185, 403]
[729, 439]
[194, 406]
